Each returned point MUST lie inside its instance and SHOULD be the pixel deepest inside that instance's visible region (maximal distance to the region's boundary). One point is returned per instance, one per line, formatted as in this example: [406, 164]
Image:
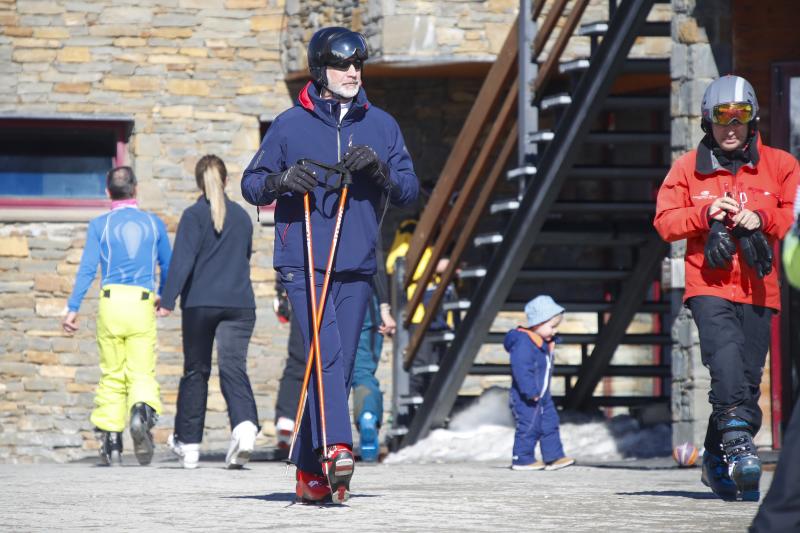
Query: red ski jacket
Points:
[766, 186]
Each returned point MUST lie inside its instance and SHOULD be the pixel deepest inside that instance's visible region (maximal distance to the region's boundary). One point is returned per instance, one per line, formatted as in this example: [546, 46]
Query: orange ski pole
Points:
[318, 314]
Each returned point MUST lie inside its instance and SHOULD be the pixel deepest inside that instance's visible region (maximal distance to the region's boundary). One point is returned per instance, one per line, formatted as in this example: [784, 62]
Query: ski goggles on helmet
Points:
[345, 50]
[725, 114]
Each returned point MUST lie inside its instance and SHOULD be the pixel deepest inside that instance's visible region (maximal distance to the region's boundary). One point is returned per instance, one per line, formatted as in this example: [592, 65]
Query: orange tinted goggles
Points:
[725, 114]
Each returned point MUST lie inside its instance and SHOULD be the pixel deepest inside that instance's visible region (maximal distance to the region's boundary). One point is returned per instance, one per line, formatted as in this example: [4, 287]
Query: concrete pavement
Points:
[628, 496]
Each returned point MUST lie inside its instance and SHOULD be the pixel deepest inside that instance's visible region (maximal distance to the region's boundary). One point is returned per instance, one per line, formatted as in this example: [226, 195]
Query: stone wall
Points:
[413, 32]
[195, 77]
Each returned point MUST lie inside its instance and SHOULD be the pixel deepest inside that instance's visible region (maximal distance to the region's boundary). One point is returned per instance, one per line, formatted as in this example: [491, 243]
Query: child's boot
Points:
[744, 466]
[338, 466]
[110, 447]
[143, 418]
[560, 463]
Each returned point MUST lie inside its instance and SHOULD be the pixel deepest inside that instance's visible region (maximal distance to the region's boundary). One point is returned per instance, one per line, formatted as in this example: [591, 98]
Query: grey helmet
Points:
[724, 90]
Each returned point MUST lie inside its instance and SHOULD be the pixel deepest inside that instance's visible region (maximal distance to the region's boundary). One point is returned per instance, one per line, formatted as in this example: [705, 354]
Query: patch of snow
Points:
[485, 432]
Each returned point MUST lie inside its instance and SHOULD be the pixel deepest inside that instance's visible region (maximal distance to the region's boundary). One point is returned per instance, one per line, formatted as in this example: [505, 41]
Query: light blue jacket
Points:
[127, 242]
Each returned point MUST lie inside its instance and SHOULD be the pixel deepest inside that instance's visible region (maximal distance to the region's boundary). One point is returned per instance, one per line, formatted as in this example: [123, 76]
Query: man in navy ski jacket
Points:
[332, 122]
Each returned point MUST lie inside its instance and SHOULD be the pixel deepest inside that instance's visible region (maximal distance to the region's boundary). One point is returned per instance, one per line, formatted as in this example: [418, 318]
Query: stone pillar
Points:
[701, 51]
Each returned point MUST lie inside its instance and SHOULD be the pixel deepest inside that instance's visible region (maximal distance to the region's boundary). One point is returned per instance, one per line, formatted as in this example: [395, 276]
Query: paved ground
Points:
[631, 496]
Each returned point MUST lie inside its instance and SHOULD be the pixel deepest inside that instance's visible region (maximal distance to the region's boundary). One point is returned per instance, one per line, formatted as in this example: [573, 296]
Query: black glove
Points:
[298, 178]
[363, 161]
[719, 246]
[755, 249]
[281, 305]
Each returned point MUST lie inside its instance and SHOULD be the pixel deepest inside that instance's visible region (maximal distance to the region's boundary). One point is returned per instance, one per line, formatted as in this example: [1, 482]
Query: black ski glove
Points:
[719, 246]
[755, 249]
[297, 178]
[362, 160]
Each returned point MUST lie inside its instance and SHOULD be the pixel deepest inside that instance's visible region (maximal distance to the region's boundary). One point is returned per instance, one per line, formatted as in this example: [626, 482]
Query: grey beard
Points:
[341, 92]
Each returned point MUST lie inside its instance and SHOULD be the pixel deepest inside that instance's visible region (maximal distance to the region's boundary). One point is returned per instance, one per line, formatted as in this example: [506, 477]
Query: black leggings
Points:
[292, 380]
[232, 328]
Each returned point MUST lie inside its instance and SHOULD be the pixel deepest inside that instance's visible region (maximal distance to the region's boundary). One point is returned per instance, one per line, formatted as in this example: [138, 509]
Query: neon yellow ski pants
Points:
[126, 340]
[791, 257]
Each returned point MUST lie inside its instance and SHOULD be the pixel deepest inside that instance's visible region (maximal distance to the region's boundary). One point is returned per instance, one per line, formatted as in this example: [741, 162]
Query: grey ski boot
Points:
[143, 418]
[744, 466]
[110, 447]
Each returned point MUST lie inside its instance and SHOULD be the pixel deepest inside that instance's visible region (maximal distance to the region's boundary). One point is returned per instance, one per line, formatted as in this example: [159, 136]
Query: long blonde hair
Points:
[211, 174]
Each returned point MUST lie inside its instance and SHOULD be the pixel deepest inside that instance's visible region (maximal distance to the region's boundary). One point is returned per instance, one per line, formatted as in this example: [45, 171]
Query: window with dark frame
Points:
[51, 163]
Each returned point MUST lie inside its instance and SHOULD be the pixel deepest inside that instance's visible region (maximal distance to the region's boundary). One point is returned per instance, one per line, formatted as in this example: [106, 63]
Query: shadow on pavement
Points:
[274, 497]
[673, 493]
[288, 497]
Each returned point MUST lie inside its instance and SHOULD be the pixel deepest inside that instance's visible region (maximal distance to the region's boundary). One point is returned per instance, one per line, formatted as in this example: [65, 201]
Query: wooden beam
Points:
[474, 181]
[480, 114]
[464, 236]
[543, 33]
[551, 64]
[537, 8]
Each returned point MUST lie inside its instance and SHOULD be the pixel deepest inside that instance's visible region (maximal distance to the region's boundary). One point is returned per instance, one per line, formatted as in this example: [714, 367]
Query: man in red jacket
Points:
[731, 199]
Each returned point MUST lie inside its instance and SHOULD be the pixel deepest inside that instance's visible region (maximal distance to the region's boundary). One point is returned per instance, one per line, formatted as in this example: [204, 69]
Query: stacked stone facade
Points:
[194, 77]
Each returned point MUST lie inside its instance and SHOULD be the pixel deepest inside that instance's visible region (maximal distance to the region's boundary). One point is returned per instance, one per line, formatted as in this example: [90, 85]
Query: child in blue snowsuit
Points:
[531, 354]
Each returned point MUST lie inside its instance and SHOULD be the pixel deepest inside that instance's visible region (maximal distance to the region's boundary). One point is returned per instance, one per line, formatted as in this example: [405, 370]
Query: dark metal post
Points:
[527, 115]
[400, 383]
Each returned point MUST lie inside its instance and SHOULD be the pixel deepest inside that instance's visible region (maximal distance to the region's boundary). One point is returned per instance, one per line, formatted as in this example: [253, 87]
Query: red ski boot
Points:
[338, 465]
[311, 488]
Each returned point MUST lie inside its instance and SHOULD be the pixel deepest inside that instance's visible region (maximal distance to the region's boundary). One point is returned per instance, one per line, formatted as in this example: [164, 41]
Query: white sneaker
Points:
[243, 440]
[188, 454]
[284, 429]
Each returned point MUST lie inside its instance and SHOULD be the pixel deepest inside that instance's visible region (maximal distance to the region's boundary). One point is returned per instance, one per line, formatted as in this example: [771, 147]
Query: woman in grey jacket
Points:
[211, 273]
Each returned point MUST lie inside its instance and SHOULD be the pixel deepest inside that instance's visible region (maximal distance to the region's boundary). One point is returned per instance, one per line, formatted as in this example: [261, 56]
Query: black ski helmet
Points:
[333, 45]
[725, 90]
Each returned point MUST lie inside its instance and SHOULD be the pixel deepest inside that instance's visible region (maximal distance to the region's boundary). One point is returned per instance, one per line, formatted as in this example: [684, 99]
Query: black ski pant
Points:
[780, 510]
[232, 327]
[734, 339]
[292, 379]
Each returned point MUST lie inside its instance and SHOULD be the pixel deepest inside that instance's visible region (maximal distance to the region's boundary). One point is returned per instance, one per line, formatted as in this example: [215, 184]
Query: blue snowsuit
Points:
[312, 129]
[536, 419]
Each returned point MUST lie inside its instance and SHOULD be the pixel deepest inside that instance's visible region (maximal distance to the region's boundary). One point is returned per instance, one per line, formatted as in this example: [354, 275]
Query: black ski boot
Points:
[715, 476]
[338, 467]
[744, 466]
[110, 447]
[143, 418]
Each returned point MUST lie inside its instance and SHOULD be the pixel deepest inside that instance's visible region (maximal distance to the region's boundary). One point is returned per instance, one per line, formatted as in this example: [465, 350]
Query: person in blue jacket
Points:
[332, 122]
[128, 243]
[531, 352]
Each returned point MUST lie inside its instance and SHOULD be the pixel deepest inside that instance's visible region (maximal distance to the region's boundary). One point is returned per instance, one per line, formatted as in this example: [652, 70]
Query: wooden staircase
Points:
[554, 180]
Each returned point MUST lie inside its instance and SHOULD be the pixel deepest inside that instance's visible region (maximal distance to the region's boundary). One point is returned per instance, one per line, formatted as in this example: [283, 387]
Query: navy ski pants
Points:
[734, 339]
[536, 422]
[341, 326]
